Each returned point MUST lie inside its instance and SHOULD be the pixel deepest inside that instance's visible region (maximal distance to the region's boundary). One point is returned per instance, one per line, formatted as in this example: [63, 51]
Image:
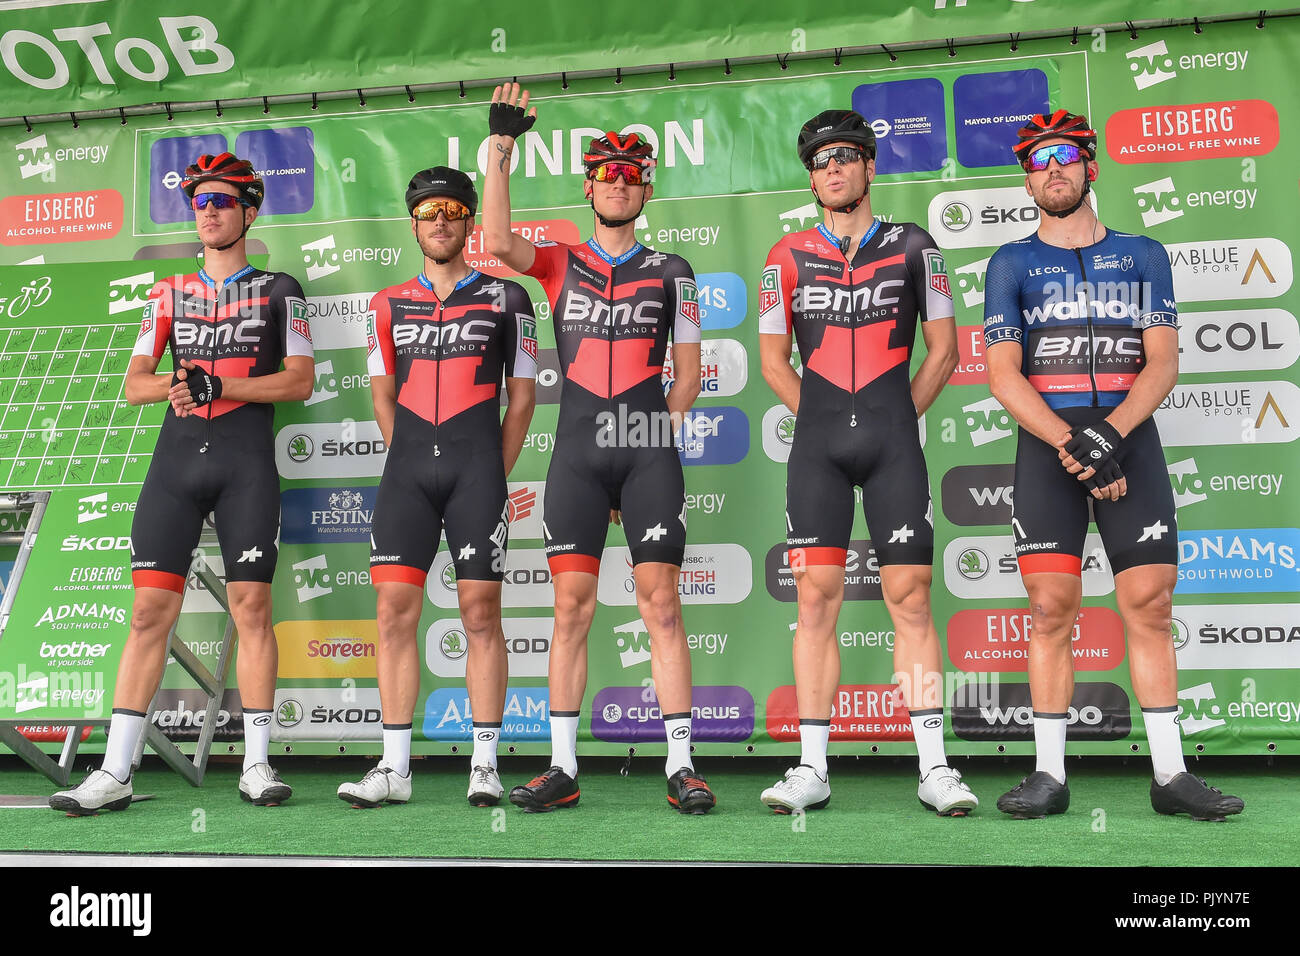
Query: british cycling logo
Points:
[1153, 64]
[711, 574]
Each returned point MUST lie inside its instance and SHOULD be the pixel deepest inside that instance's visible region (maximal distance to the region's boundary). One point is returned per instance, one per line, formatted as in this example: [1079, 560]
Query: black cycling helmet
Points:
[613, 148]
[441, 181]
[1060, 125]
[225, 168]
[835, 126]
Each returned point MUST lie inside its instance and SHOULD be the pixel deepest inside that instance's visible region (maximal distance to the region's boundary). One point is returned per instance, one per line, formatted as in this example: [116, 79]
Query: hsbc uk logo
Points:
[1158, 202]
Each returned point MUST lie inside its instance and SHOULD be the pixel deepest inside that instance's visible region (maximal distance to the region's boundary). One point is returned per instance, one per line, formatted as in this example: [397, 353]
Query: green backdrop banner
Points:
[83, 56]
[1195, 135]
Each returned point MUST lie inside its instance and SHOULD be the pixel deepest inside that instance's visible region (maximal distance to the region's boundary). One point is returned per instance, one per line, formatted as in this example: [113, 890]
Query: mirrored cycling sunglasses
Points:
[220, 200]
[843, 155]
[451, 209]
[632, 175]
[1063, 153]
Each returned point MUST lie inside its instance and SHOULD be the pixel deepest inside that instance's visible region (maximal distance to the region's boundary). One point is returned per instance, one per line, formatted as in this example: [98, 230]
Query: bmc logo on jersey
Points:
[1001, 711]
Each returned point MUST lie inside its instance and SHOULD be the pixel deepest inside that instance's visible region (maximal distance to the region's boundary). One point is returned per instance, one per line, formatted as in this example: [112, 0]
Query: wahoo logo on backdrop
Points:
[284, 158]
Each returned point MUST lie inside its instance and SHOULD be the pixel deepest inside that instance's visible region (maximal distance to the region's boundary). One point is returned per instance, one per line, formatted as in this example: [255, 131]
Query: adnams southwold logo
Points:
[1241, 560]
[323, 257]
[1153, 64]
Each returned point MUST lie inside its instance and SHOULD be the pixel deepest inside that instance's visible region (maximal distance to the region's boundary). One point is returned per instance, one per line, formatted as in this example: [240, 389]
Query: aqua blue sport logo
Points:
[326, 515]
[718, 435]
[723, 300]
[527, 714]
[1237, 561]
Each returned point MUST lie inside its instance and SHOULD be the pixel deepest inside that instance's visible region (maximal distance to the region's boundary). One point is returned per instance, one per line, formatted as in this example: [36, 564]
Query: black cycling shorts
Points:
[585, 482]
[241, 490]
[1050, 509]
[883, 455]
[462, 490]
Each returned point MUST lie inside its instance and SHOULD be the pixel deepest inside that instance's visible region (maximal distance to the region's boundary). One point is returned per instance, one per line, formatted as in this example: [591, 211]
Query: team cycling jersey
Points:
[1079, 314]
[444, 470]
[242, 329]
[613, 318]
[855, 322]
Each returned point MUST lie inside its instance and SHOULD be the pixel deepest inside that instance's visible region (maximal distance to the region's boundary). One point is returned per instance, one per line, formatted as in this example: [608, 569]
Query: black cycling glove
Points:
[1108, 472]
[204, 388]
[507, 120]
[1092, 445]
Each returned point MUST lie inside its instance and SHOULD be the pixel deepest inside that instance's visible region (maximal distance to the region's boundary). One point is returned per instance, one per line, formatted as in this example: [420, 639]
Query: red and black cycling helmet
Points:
[835, 126]
[1060, 125]
[441, 181]
[627, 148]
[225, 168]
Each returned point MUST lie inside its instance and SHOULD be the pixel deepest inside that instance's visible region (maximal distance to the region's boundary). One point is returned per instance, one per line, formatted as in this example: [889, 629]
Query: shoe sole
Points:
[271, 797]
[484, 799]
[1219, 816]
[785, 809]
[1023, 812]
[957, 810]
[694, 807]
[73, 809]
[358, 804]
[529, 804]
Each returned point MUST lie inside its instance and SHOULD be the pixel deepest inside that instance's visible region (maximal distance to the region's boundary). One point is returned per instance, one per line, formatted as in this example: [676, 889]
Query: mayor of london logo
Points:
[300, 448]
[973, 564]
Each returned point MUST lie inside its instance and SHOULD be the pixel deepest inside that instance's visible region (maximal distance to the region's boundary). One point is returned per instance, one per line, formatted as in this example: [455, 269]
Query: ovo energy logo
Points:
[320, 258]
[1157, 201]
[1151, 64]
[34, 157]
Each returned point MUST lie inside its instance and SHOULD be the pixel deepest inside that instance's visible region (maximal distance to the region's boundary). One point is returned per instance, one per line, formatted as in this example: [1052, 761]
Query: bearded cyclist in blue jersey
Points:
[1081, 339]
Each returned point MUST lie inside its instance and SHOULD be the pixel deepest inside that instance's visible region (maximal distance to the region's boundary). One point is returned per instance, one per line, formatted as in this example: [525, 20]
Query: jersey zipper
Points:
[437, 378]
[853, 344]
[1092, 342]
[609, 423]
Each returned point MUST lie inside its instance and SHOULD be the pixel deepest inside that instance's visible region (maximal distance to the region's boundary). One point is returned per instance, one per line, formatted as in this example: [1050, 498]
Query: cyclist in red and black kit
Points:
[229, 327]
[615, 305]
[1081, 337]
[439, 345]
[851, 290]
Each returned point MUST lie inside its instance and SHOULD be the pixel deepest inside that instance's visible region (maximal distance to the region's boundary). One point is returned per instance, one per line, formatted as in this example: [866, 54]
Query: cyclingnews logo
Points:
[632, 714]
[1153, 64]
[1237, 636]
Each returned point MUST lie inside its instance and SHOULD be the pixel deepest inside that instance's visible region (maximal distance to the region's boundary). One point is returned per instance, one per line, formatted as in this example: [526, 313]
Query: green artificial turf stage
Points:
[874, 817]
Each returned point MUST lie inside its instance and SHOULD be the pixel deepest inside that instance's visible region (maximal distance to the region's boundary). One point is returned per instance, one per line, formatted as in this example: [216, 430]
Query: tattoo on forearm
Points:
[505, 152]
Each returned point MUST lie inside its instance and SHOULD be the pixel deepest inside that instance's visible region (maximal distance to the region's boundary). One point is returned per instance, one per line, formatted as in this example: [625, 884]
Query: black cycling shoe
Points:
[1192, 795]
[689, 792]
[546, 791]
[1035, 797]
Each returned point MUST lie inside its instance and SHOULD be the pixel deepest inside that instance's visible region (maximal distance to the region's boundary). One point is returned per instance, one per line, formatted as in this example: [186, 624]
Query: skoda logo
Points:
[973, 564]
[612, 713]
[454, 645]
[1179, 630]
[956, 216]
[289, 713]
[300, 448]
[449, 577]
[785, 430]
